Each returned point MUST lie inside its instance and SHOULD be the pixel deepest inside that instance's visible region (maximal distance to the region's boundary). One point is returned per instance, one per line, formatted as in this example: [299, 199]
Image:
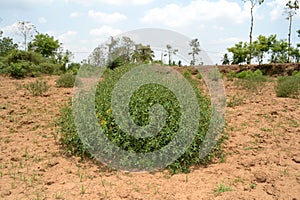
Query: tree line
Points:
[266, 48]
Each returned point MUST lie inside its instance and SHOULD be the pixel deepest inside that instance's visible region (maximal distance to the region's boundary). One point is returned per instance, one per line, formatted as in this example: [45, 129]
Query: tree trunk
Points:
[289, 38]
[250, 35]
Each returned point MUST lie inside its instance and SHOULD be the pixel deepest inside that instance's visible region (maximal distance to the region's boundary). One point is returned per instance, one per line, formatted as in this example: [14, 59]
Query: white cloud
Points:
[42, 20]
[106, 18]
[111, 2]
[75, 14]
[104, 32]
[175, 15]
[68, 38]
[277, 8]
[24, 3]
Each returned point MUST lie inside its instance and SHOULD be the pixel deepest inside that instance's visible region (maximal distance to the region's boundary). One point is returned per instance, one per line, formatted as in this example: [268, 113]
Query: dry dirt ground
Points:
[261, 158]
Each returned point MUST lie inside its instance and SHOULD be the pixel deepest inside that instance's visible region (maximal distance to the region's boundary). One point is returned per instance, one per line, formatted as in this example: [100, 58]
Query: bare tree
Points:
[290, 10]
[26, 30]
[253, 4]
[171, 52]
[195, 44]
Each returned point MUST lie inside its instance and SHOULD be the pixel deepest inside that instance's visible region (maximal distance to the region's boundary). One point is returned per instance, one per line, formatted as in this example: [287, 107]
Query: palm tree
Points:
[143, 54]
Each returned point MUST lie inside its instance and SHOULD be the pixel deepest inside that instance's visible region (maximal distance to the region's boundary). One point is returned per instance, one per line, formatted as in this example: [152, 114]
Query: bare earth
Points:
[262, 156]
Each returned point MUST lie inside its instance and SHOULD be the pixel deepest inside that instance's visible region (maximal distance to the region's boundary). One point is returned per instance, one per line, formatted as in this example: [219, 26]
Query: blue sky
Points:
[81, 25]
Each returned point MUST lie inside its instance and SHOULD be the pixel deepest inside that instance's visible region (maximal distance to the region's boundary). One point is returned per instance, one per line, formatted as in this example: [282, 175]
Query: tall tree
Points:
[195, 45]
[225, 60]
[290, 10]
[25, 30]
[171, 51]
[253, 4]
[44, 44]
[7, 45]
[262, 46]
[298, 31]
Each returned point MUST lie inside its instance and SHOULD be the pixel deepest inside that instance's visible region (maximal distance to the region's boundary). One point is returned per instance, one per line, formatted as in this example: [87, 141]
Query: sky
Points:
[82, 25]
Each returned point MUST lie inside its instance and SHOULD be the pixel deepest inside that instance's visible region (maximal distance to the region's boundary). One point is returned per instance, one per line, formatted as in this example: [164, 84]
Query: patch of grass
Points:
[266, 129]
[221, 188]
[251, 81]
[235, 100]
[288, 86]
[37, 88]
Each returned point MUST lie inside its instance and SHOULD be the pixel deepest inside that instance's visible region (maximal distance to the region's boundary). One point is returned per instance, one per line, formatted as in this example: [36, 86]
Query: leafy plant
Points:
[235, 100]
[139, 106]
[37, 88]
[288, 86]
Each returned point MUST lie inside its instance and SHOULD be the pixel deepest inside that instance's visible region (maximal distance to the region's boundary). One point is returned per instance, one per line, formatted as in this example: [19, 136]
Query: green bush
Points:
[37, 88]
[66, 80]
[50, 68]
[139, 107]
[23, 69]
[288, 86]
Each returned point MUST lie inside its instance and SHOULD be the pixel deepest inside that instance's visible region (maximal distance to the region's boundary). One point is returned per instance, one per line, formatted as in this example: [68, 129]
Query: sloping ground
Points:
[261, 158]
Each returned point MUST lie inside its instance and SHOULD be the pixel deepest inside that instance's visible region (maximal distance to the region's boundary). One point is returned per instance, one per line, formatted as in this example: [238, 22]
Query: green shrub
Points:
[23, 69]
[187, 74]
[50, 68]
[288, 86]
[66, 80]
[37, 88]
[139, 107]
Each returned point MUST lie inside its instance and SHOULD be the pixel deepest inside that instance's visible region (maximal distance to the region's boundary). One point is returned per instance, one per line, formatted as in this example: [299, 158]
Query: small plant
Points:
[66, 80]
[252, 186]
[187, 74]
[221, 188]
[288, 86]
[37, 88]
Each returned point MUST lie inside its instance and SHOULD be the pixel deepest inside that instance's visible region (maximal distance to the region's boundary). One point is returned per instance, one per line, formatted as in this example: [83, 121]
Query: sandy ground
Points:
[261, 158]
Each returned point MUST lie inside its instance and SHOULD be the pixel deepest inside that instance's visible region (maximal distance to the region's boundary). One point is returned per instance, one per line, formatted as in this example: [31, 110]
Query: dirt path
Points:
[262, 156]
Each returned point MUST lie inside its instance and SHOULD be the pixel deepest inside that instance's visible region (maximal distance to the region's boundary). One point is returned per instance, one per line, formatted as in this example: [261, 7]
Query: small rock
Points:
[49, 182]
[7, 193]
[261, 177]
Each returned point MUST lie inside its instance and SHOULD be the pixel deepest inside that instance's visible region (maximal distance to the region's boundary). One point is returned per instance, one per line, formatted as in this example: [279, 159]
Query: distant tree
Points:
[143, 54]
[262, 46]
[195, 45]
[253, 4]
[44, 44]
[290, 10]
[225, 60]
[295, 54]
[126, 49]
[7, 45]
[240, 52]
[171, 51]
[26, 30]
[279, 52]
[98, 57]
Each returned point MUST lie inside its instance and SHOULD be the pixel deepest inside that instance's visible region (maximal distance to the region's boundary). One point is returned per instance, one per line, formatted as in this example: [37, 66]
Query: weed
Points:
[221, 188]
[83, 190]
[37, 88]
[266, 129]
[251, 81]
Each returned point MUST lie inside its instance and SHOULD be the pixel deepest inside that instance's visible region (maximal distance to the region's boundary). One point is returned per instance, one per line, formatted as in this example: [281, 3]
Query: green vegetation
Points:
[139, 107]
[37, 88]
[221, 188]
[249, 80]
[66, 80]
[288, 86]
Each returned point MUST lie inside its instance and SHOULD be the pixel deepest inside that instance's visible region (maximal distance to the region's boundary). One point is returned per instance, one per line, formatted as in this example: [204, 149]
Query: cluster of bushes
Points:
[21, 64]
[139, 107]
